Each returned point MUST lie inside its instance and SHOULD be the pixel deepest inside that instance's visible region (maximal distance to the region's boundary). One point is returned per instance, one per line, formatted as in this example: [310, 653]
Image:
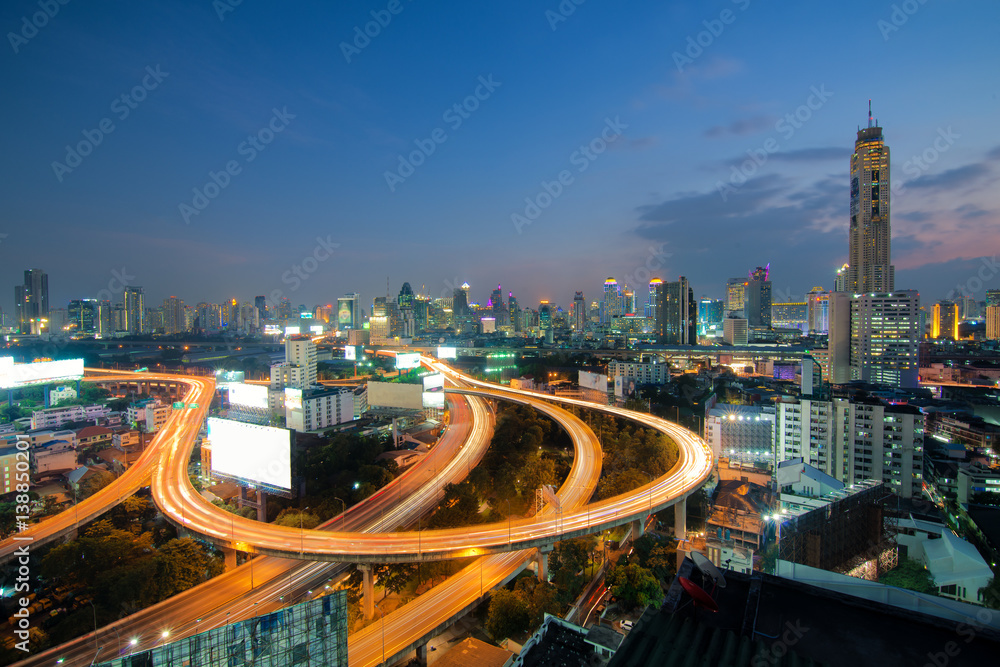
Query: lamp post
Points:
[95, 625]
[382, 616]
[343, 515]
[119, 640]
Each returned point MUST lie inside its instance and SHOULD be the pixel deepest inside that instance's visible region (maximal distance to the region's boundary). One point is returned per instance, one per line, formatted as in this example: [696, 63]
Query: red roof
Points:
[91, 431]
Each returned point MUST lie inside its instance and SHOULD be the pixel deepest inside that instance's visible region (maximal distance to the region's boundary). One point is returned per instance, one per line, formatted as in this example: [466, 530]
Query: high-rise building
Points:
[818, 301]
[993, 297]
[710, 315]
[676, 322]
[875, 338]
[840, 280]
[300, 357]
[735, 330]
[514, 311]
[31, 302]
[757, 297]
[260, 302]
[629, 305]
[613, 304]
[870, 267]
[650, 310]
[545, 316]
[945, 321]
[349, 311]
[83, 316]
[993, 322]
[790, 315]
[135, 311]
[735, 294]
[173, 315]
[579, 312]
[378, 323]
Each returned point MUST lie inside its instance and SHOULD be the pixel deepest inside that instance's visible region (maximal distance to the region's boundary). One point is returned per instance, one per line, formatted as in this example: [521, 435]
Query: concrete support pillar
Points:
[261, 506]
[543, 562]
[680, 520]
[638, 527]
[367, 592]
[230, 556]
[422, 655]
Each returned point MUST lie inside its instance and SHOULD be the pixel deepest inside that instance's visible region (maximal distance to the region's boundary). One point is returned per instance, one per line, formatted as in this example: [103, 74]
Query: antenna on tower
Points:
[869, 113]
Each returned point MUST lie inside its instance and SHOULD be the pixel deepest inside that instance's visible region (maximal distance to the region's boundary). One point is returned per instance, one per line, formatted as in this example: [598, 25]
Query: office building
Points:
[579, 314]
[710, 315]
[173, 315]
[676, 321]
[321, 408]
[791, 315]
[818, 301]
[31, 302]
[135, 311]
[735, 331]
[735, 293]
[613, 303]
[650, 309]
[378, 323]
[757, 297]
[641, 372]
[875, 338]
[945, 321]
[870, 268]
[83, 316]
[993, 322]
[993, 297]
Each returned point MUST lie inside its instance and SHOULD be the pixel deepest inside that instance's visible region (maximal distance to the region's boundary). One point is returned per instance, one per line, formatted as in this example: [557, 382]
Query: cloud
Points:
[812, 154]
[741, 127]
[970, 211]
[993, 154]
[950, 179]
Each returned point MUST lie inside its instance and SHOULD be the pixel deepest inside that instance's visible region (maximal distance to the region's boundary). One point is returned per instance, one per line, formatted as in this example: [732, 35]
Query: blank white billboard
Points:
[447, 352]
[43, 372]
[249, 395]
[293, 331]
[433, 396]
[351, 353]
[395, 395]
[316, 328]
[407, 360]
[260, 455]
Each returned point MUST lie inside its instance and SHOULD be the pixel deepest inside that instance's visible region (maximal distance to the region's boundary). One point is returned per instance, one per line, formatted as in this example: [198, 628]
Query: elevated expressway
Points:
[266, 584]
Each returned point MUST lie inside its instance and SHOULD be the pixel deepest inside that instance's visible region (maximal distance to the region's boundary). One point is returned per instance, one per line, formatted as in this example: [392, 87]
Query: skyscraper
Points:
[735, 293]
[650, 309]
[349, 311]
[514, 312]
[757, 297]
[870, 268]
[83, 316]
[579, 312]
[819, 310]
[945, 322]
[260, 302]
[135, 311]
[173, 315]
[613, 304]
[31, 301]
[676, 321]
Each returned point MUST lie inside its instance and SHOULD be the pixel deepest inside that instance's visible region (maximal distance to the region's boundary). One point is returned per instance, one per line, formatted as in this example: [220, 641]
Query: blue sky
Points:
[656, 196]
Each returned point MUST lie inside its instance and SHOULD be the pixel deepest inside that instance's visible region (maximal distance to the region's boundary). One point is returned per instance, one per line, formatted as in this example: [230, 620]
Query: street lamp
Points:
[382, 616]
[119, 640]
[343, 515]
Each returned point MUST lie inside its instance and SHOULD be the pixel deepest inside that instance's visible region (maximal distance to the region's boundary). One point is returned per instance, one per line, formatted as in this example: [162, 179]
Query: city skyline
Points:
[769, 183]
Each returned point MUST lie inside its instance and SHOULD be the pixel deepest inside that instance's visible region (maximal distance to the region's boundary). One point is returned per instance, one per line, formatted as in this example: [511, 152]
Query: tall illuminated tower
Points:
[870, 267]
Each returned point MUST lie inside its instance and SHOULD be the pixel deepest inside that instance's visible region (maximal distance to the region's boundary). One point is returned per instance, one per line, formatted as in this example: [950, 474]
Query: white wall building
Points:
[644, 373]
[958, 569]
[56, 417]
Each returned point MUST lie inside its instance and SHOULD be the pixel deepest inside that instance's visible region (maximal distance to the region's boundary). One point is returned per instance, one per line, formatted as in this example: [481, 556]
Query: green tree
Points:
[182, 564]
[293, 518]
[910, 574]
[634, 585]
[509, 614]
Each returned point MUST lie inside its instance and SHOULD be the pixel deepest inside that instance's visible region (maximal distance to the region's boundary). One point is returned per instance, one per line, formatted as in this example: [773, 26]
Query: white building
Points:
[156, 417]
[320, 408]
[956, 566]
[62, 393]
[735, 331]
[643, 373]
[56, 417]
[54, 455]
[300, 357]
[801, 487]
